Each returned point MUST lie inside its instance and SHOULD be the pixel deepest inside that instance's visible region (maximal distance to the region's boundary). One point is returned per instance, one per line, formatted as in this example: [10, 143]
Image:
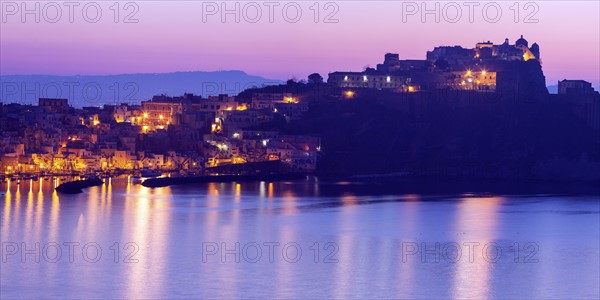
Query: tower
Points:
[535, 49]
[521, 41]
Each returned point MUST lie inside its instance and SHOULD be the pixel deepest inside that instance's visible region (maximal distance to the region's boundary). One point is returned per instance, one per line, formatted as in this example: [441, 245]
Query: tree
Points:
[315, 78]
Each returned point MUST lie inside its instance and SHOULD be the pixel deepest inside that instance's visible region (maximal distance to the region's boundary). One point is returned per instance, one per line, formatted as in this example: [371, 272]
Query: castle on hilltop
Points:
[445, 67]
[458, 55]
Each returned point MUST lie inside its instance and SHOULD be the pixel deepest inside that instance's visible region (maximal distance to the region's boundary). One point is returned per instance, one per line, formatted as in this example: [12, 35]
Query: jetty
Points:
[77, 186]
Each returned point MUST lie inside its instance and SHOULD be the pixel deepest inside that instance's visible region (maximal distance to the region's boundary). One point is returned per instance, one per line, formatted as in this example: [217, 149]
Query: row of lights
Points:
[483, 72]
[349, 93]
[388, 79]
[469, 79]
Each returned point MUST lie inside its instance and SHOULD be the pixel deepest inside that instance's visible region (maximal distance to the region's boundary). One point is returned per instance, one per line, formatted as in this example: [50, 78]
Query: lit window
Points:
[388, 79]
[365, 78]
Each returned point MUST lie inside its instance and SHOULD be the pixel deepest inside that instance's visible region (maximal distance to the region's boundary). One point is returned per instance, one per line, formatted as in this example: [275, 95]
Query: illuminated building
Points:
[481, 80]
[367, 79]
[446, 67]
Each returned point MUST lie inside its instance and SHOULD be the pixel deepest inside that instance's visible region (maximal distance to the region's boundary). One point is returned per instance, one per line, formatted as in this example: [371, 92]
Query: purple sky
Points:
[171, 36]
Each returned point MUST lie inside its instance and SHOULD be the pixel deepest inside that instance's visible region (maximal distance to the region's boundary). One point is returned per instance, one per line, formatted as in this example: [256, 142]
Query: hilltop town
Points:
[317, 126]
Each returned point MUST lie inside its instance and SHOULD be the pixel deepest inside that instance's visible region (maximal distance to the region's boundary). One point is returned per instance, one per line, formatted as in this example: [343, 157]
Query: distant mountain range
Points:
[97, 90]
[91, 90]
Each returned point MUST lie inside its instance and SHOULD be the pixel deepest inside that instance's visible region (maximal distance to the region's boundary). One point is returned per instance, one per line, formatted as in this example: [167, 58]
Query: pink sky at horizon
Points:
[171, 36]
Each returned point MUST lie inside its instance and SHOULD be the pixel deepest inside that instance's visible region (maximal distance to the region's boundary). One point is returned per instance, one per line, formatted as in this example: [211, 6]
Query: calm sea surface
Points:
[306, 239]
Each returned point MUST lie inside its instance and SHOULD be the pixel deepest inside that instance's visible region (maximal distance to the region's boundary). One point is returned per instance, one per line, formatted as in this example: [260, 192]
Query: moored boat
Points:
[147, 173]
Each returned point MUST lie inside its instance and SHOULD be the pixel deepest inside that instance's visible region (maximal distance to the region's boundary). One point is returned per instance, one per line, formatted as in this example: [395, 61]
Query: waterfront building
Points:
[583, 100]
[574, 87]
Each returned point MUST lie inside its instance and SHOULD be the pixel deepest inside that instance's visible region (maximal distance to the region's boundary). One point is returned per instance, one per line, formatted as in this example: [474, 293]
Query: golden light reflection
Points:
[212, 199]
[349, 200]
[213, 190]
[210, 227]
[238, 193]
[223, 228]
[107, 204]
[290, 205]
[17, 210]
[347, 246]
[270, 190]
[476, 223]
[128, 186]
[212, 215]
[270, 198]
[285, 269]
[86, 218]
[147, 225]
[89, 219]
[6, 215]
[39, 213]
[409, 223]
[134, 229]
[262, 189]
[54, 216]
[29, 210]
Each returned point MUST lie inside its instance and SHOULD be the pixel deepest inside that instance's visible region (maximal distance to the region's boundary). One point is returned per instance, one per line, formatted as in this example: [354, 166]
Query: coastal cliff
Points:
[517, 132]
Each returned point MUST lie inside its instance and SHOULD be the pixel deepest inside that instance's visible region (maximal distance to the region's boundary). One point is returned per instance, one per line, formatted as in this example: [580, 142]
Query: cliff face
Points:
[519, 132]
[521, 80]
[453, 134]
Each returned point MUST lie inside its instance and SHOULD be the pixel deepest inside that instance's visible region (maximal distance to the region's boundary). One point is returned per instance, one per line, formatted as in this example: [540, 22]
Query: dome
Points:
[521, 41]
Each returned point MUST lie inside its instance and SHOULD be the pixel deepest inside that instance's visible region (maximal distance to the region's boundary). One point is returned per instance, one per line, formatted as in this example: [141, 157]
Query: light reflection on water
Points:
[472, 280]
[153, 242]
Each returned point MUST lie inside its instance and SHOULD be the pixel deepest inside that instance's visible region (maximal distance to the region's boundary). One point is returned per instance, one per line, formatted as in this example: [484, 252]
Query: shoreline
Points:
[170, 181]
[367, 185]
[398, 176]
